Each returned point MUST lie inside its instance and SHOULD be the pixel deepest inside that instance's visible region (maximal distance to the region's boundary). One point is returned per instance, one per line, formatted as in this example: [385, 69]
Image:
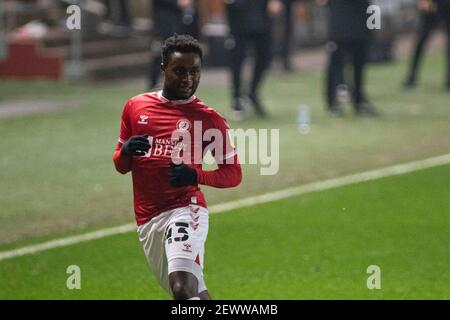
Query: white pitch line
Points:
[333, 183]
[62, 242]
[246, 202]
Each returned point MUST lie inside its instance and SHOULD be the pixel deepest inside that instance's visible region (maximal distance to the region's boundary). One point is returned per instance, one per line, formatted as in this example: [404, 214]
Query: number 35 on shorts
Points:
[178, 232]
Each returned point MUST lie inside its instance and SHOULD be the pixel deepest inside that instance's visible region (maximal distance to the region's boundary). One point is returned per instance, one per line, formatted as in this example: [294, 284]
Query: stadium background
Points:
[57, 178]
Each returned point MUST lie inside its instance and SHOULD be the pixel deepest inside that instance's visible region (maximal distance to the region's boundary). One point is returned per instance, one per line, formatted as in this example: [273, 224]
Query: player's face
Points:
[181, 75]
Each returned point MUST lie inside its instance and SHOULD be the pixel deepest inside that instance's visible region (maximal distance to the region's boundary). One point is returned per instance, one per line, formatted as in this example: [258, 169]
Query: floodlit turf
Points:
[57, 176]
[314, 246]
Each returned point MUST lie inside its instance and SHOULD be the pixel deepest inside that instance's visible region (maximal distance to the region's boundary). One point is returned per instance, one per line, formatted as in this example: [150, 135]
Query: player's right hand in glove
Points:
[135, 146]
[181, 175]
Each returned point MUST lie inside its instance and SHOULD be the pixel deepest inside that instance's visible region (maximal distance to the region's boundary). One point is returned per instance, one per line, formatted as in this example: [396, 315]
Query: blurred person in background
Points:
[116, 18]
[348, 41]
[3, 45]
[250, 23]
[431, 11]
[170, 17]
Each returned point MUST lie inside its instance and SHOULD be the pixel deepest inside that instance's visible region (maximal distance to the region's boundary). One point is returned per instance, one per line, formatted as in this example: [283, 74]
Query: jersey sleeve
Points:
[229, 172]
[226, 176]
[125, 126]
[121, 162]
[227, 150]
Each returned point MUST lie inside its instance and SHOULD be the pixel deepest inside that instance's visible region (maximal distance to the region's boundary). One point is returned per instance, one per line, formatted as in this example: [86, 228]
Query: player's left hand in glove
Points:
[136, 146]
[181, 175]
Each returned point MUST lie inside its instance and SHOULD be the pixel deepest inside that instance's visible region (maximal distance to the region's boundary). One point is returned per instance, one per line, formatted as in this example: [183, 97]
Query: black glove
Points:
[136, 146]
[181, 175]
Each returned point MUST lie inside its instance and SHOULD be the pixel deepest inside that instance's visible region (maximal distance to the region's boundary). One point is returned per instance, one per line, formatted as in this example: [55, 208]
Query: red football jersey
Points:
[152, 114]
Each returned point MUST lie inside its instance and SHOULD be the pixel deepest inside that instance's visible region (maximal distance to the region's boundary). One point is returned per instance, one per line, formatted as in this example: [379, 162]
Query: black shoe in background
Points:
[409, 83]
[366, 109]
[287, 66]
[335, 111]
[237, 104]
[238, 110]
[258, 107]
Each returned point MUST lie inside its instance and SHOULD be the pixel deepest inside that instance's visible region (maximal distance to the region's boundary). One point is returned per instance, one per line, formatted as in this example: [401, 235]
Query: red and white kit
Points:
[153, 115]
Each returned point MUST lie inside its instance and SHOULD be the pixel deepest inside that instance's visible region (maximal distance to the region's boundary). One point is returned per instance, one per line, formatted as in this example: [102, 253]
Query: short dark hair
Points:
[180, 43]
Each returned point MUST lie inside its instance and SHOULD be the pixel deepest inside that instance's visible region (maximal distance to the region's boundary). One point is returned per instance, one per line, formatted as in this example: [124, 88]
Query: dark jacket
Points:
[168, 19]
[248, 16]
[348, 20]
[443, 6]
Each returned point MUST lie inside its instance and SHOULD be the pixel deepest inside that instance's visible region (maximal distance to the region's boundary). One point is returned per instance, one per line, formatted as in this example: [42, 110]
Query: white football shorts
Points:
[175, 241]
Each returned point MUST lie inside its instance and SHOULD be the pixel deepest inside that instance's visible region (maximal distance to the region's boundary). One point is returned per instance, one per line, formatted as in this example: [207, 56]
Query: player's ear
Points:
[162, 66]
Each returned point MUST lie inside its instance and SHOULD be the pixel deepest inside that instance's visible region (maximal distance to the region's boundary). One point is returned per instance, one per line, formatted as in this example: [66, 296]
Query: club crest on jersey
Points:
[143, 119]
[183, 125]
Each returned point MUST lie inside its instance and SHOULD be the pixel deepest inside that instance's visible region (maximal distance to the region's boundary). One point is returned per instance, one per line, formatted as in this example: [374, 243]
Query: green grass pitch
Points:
[314, 246]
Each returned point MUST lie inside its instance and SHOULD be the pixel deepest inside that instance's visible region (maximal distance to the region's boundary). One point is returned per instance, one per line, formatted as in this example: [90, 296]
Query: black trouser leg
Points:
[285, 47]
[448, 53]
[124, 15]
[107, 5]
[262, 54]
[427, 24]
[359, 50]
[447, 26]
[237, 59]
[155, 60]
[335, 71]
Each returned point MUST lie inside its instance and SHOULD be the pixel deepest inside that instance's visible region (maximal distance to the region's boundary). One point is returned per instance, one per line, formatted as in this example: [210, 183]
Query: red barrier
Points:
[26, 59]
